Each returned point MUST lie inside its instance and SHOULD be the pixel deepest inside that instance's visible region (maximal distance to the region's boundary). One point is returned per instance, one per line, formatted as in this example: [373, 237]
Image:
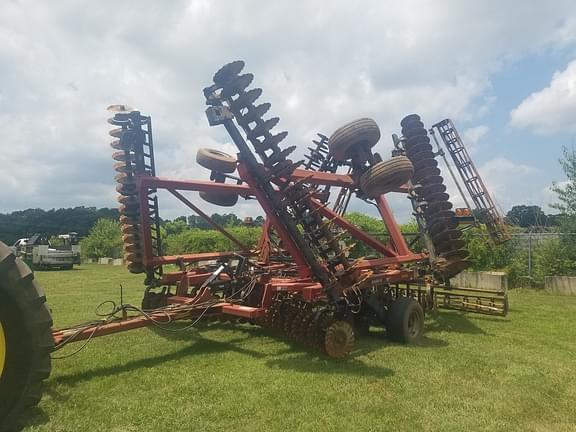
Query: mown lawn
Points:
[469, 373]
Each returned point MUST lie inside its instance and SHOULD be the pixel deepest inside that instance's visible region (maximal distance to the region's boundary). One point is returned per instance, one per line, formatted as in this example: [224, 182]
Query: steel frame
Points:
[181, 305]
[396, 251]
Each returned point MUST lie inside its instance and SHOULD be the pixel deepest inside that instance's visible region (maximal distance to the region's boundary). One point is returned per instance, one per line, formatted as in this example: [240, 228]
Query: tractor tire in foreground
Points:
[25, 339]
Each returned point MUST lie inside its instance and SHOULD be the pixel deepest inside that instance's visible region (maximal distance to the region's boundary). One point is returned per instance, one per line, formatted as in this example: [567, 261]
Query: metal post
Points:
[530, 253]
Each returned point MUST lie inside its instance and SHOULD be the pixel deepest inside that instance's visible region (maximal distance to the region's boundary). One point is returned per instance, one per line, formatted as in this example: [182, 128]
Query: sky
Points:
[504, 72]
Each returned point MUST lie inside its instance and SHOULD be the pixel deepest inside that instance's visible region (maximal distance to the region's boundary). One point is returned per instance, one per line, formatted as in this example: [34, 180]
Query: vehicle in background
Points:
[41, 253]
[19, 244]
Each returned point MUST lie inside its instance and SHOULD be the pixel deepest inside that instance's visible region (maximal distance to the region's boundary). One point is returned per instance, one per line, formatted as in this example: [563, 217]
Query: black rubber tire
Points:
[363, 131]
[399, 324]
[386, 176]
[221, 199]
[410, 120]
[27, 326]
[215, 160]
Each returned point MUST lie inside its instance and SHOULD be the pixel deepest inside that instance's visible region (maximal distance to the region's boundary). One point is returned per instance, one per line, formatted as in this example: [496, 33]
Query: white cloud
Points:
[320, 65]
[552, 109]
[565, 35]
[472, 137]
[510, 183]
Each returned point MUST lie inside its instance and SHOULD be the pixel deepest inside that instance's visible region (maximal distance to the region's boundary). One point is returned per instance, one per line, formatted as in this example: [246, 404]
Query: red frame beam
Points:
[145, 183]
[392, 226]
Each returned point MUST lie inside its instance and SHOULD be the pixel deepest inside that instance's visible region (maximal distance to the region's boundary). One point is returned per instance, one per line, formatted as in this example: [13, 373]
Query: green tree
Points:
[553, 257]
[199, 240]
[376, 228]
[484, 254]
[259, 221]
[526, 216]
[567, 192]
[52, 222]
[367, 223]
[176, 226]
[565, 250]
[195, 221]
[104, 240]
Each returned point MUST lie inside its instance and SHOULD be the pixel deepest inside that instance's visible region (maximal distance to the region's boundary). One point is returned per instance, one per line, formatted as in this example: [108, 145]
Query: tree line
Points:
[81, 219]
[532, 216]
[25, 223]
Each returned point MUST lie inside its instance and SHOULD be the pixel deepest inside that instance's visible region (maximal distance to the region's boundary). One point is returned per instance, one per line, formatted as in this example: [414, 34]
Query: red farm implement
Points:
[303, 279]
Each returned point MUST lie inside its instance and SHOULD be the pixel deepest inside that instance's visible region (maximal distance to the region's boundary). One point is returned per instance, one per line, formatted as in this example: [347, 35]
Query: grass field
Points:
[469, 373]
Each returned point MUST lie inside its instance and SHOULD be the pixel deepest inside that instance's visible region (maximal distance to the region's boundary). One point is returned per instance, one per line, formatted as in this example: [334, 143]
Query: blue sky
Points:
[511, 86]
[526, 146]
[505, 72]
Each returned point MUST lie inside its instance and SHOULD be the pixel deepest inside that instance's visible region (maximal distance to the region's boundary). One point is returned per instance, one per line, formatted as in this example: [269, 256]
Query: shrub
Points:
[198, 240]
[552, 258]
[104, 240]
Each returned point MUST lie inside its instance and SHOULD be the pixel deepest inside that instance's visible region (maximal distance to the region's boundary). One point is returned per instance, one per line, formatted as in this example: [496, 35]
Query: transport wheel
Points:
[216, 160]
[386, 176]
[405, 321]
[361, 132]
[25, 339]
[221, 199]
[339, 339]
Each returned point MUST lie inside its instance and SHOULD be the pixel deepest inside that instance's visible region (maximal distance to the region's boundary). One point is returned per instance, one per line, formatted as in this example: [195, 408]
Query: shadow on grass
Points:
[297, 356]
[305, 362]
[199, 347]
[35, 416]
[56, 269]
[204, 326]
[455, 322]
[305, 359]
[377, 341]
[373, 341]
[496, 319]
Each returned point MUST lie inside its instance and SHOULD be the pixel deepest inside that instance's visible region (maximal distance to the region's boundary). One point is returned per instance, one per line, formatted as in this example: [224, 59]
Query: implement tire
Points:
[25, 339]
[405, 321]
[221, 199]
[386, 176]
[361, 132]
[215, 160]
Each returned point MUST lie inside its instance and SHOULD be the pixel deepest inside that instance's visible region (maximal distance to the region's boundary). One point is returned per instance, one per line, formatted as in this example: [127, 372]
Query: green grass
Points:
[469, 373]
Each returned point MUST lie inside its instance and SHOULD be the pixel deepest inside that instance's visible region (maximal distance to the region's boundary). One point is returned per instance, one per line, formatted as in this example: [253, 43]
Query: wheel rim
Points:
[2, 350]
[414, 324]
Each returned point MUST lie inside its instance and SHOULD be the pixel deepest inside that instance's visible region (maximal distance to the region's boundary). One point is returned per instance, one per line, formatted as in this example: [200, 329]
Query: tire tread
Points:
[17, 280]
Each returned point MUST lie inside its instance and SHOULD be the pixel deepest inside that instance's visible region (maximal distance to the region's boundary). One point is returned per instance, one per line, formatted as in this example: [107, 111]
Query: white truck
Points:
[39, 253]
[19, 244]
